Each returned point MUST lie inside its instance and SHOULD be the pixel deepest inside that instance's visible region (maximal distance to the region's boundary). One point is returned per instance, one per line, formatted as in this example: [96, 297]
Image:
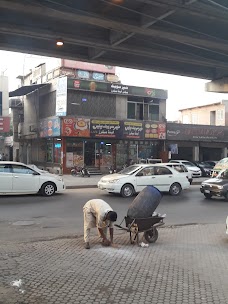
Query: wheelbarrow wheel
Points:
[151, 236]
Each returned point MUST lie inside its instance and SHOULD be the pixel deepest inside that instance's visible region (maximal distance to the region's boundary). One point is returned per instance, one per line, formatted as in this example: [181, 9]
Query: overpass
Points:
[184, 37]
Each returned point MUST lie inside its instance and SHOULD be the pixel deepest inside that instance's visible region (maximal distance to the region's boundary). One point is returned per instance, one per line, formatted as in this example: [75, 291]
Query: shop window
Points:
[153, 112]
[57, 151]
[50, 151]
[74, 153]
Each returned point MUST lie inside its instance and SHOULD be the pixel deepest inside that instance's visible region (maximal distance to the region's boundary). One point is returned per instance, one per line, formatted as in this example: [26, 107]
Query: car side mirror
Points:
[35, 173]
[139, 174]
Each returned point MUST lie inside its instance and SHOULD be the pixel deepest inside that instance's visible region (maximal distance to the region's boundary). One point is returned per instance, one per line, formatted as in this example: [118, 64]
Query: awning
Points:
[27, 89]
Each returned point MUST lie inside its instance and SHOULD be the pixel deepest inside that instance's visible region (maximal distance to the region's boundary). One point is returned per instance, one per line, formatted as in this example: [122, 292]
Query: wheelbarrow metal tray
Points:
[143, 224]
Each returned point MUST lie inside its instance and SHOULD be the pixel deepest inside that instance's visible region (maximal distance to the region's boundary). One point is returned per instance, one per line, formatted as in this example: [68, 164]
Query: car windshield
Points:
[188, 164]
[223, 174]
[130, 170]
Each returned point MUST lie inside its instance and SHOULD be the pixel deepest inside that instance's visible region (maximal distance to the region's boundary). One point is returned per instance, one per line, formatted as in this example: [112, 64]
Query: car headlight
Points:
[220, 187]
[59, 179]
[114, 181]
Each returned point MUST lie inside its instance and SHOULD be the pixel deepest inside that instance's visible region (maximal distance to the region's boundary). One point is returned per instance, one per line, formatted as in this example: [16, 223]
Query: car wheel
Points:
[127, 190]
[175, 189]
[151, 236]
[48, 189]
[207, 195]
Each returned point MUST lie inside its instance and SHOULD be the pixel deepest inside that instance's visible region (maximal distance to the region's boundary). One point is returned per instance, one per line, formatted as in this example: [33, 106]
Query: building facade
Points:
[5, 139]
[215, 114]
[88, 117]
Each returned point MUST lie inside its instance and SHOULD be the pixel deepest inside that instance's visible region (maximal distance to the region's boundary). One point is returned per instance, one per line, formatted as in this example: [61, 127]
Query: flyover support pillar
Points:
[217, 86]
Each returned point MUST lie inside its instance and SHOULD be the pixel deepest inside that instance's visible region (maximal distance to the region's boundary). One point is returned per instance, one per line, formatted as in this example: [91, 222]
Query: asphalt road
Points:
[30, 217]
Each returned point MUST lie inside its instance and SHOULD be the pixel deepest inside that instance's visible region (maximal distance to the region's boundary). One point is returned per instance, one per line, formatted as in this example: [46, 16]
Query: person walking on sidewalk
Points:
[98, 213]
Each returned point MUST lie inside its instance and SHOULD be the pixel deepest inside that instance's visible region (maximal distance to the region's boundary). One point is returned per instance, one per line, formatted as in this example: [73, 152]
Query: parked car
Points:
[135, 178]
[196, 172]
[205, 168]
[216, 186]
[181, 169]
[211, 162]
[17, 177]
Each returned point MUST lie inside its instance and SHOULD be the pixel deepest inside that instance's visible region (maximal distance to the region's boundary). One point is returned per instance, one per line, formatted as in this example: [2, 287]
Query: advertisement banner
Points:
[196, 133]
[93, 67]
[4, 124]
[133, 130]
[50, 127]
[61, 96]
[105, 128]
[76, 127]
[116, 88]
[154, 130]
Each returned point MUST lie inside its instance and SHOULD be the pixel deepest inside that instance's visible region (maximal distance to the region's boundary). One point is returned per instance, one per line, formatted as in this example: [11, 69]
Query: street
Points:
[36, 217]
[43, 260]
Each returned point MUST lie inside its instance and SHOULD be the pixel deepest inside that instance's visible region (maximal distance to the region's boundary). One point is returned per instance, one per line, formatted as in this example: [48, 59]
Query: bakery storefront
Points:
[74, 141]
[103, 143]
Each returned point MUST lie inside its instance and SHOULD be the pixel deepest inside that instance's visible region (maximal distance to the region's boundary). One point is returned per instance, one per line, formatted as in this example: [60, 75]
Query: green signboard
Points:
[115, 88]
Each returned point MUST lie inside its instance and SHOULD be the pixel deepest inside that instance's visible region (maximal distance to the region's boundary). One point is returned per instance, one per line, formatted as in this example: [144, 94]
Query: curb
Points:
[95, 186]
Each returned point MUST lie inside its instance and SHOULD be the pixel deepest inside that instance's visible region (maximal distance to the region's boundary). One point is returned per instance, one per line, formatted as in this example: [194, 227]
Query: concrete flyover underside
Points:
[187, 37]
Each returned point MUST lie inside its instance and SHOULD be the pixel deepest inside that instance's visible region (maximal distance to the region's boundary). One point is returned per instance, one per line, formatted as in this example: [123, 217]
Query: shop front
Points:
[104, 143]
[196, 142]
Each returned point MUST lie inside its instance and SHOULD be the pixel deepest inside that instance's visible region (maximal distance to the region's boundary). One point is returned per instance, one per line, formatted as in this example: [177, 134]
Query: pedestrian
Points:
[98, 213]
[3, 157]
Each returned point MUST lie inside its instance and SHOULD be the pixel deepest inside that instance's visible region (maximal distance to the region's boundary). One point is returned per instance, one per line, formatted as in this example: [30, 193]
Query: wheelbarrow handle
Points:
[123, 228]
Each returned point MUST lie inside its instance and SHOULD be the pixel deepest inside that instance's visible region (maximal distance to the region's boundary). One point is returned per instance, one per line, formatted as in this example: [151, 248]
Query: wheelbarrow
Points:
[147, 225]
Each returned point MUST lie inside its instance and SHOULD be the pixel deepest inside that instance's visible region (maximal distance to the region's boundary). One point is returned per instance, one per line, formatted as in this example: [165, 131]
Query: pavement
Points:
[76, 182]
[187, 265]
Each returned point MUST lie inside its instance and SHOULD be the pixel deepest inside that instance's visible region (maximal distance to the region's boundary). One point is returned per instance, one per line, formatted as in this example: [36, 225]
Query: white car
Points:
[18, 178]
[196, 172]
[181, 169]
[135, 178]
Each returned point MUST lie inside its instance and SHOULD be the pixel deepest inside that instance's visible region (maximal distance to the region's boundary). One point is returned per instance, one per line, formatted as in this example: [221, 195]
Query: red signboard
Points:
[4, 124]
[76, 127]
[93, 67]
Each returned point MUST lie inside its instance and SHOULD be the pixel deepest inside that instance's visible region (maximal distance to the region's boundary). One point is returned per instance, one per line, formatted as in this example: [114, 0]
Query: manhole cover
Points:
[24, 223]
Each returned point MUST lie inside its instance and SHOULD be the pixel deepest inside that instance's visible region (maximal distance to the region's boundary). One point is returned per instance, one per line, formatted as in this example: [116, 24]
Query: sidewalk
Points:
[73, 182]
[187, 265]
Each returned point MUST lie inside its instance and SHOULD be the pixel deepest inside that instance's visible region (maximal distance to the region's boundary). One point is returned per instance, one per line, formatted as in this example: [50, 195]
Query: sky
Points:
[183, 92]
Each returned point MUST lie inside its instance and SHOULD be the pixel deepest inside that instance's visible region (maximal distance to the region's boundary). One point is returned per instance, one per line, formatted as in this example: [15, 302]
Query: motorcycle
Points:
[80, 171]
[111, 170]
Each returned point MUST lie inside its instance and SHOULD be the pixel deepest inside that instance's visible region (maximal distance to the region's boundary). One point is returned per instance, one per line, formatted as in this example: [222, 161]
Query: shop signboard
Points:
[83, 74]
[133, 130]
[50, 127]
[154, 130]
[4, 124]
[61, 96]
[196, 133]
[93, 67]
[116, 88]
[105, 128]
[76, 127]
[98, 76]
